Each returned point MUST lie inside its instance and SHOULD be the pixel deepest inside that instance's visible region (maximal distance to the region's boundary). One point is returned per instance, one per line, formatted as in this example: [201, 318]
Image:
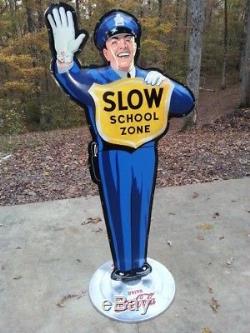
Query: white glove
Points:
[63, 29]
[155, 78]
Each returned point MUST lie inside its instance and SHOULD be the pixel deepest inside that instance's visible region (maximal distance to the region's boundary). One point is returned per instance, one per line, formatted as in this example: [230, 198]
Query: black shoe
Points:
[145, 270]
[134, 274]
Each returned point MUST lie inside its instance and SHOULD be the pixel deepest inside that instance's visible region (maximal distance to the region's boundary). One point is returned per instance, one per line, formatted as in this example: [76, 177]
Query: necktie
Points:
[128, 75]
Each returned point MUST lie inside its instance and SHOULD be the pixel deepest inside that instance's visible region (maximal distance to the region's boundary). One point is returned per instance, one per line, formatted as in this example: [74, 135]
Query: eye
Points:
[128, 38]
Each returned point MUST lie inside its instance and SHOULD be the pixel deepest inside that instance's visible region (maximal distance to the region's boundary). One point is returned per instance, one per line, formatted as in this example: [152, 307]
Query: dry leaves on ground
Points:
[54, 165]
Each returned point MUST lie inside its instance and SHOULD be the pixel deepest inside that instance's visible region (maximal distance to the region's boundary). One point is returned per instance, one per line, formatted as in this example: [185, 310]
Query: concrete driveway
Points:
[50, 250]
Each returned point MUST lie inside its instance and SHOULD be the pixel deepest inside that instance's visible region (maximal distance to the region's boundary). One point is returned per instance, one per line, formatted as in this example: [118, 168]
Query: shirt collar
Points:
[123, 74]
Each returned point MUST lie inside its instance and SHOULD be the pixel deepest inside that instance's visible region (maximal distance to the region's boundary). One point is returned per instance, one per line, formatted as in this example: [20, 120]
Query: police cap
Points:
[113, 23]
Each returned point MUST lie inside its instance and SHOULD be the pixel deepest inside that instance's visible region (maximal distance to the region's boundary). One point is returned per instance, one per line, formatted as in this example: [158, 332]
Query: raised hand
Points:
[63, 29]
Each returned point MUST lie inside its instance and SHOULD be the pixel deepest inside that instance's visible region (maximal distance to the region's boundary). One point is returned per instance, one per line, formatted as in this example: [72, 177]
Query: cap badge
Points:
[119, 20]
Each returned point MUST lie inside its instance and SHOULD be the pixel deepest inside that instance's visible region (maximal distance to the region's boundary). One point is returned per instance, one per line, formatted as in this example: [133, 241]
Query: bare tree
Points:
[12, 5]
[29, 15]
[186, 28]
[160, 8]
[197, 14]
[245, 83]
[40, 14]
[223, 80]
[78, 10]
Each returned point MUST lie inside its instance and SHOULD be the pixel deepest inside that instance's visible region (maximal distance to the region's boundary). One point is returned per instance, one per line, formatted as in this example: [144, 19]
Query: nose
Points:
[122, 43]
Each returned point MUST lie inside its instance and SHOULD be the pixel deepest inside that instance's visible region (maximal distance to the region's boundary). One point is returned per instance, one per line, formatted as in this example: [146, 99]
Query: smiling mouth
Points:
[123, 55]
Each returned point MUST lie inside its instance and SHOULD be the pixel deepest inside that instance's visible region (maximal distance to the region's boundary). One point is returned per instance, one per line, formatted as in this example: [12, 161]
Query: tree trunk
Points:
[160, 9]
[223, 79]
[186, 29]
[208, 14]
[40, 15]
[197, 14]
[29, 16]
[177, 13]
[12, 9]
[12, 5]
[141, 12]
[245, 83]
[78, 10]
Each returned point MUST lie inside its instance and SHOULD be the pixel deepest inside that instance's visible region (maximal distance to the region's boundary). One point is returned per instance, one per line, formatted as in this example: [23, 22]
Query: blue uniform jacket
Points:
[127, 176]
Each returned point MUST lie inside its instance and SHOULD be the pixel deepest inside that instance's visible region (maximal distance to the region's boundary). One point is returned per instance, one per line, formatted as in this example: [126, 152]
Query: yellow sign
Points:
[129, 112]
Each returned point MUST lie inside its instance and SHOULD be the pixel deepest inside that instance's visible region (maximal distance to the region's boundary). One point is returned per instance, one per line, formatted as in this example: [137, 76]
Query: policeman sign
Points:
[127, 113]
[130, 112]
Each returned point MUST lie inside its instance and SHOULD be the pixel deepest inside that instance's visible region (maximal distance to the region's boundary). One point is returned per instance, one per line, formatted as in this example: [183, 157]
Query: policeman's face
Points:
[120, 51]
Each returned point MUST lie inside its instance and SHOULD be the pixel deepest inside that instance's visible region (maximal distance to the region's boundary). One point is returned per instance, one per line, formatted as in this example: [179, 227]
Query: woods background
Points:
[175, 33]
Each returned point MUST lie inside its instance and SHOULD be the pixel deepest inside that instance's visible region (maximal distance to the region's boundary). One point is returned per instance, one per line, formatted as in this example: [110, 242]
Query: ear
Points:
[106, 54]
[135, 47]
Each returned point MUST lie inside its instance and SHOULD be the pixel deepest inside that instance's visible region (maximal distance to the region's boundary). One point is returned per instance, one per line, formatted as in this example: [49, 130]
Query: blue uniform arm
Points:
[76, 82]
[182, 101]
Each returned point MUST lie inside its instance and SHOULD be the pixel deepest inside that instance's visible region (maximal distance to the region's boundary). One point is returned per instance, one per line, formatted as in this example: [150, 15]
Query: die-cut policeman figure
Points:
[127, 175]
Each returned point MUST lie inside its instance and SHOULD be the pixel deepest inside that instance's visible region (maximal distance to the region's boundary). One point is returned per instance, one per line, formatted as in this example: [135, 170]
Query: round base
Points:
[132, 301]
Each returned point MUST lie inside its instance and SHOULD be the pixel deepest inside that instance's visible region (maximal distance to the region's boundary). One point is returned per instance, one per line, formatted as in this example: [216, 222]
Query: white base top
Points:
[132, 301]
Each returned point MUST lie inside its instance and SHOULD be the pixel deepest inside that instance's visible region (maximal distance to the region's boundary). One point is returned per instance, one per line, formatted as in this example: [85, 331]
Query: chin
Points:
[124, 66]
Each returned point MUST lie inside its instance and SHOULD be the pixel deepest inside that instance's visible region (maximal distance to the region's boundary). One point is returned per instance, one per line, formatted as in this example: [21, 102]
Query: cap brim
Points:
[119, 30]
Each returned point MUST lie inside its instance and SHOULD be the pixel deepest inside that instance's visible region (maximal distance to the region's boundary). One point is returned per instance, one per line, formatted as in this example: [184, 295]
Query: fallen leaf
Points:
[230, 261]
[99, 230]
[206, 330]
[61, 303]
[6, 157]
[214, 305]
[195, 195]
[92, 220]
[205, 226]
[210, 290]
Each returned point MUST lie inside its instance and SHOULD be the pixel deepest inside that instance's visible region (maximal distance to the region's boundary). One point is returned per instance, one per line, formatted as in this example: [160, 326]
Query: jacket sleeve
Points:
[75, 82]
[182, 100]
